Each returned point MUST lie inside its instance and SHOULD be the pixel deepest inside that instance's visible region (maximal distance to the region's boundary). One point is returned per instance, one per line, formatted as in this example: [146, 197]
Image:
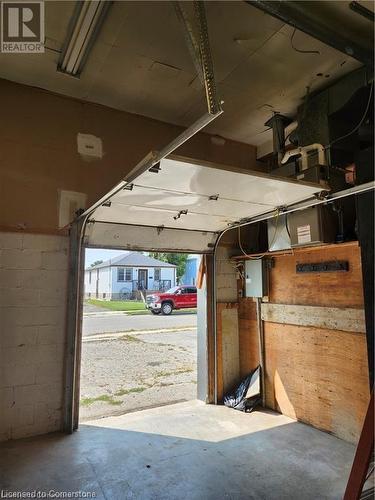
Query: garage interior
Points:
[242, 131]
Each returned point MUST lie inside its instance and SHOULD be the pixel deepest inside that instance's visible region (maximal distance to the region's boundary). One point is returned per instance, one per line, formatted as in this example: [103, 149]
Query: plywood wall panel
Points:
[334, 289]
[318, 376]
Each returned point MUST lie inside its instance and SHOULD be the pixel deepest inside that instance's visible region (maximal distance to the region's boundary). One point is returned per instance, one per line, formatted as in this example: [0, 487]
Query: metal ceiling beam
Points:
[297, 14]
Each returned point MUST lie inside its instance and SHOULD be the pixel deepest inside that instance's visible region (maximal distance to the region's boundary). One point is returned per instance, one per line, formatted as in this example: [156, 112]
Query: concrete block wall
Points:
[33, 294]
[226, 294]
[226, 277]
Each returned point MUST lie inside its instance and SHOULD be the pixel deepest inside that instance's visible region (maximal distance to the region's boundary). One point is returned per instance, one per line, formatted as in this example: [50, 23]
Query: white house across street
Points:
[124, 277]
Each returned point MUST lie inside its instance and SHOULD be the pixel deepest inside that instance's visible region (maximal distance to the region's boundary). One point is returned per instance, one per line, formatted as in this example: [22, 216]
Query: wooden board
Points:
[248, 336]
[318, 376]
[333, 318]
[333, 289]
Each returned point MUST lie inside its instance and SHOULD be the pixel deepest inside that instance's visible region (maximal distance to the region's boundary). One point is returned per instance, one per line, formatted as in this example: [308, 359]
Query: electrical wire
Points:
[359, 124]
[300, 50]
[258, 257]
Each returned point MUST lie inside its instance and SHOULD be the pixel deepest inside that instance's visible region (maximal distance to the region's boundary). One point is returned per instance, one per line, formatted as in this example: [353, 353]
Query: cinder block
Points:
[55, 261]
[5, 435]
[23, 415]
[49, 353]
[49, 372]
[17, 417]
[32, 316]
[10, 240]
[45, 243]
[36, 429]
[51, 335]
[53, 297]
[32, 355]
[17, 296]
[7, 398]
[39, 393]
[20, 355]
[39, 279]
[9, 278]
[21, 259]
[18, 336]
[13, 375]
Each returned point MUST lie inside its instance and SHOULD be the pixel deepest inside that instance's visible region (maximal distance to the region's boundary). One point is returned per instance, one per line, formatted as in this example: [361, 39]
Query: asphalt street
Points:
[108, 322]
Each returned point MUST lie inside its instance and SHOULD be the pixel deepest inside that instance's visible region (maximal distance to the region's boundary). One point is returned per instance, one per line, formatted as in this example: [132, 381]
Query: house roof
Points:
[132, 259]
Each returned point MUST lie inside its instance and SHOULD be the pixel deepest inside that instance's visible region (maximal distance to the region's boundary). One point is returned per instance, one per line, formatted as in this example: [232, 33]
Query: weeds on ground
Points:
[106, 398]
[165, 373]
[124, 392]
[130, 338]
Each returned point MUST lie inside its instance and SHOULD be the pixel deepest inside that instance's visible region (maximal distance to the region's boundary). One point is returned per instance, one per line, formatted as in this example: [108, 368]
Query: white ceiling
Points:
[141, 64]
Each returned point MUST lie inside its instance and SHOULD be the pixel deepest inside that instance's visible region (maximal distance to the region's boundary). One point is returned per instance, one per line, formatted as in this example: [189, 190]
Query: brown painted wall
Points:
[316, 375]
[38, 152]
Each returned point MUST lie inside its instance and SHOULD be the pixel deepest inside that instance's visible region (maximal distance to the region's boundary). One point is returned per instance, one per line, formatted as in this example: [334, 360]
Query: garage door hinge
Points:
[181, 212]
[129, 187]
[155, 168]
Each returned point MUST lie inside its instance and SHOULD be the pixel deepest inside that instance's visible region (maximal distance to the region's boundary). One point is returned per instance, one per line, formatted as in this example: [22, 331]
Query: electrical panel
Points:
[256, 278]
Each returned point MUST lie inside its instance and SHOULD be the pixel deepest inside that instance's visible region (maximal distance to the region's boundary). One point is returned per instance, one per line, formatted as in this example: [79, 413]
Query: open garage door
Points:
[183, 205]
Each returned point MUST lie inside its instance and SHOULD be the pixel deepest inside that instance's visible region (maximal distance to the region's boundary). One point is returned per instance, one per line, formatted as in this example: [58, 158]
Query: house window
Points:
[90, 277]
[157, 273]
[124, 274]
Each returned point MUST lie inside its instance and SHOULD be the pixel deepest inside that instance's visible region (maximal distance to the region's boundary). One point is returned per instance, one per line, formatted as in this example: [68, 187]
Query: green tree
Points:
[96, 263]
[178, 259]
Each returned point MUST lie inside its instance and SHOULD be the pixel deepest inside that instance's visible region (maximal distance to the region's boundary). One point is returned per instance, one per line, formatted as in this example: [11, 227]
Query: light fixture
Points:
[84, 27]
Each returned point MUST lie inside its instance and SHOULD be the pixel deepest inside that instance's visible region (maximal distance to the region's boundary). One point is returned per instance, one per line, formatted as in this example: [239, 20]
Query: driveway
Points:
[137, 370]
[112, 322]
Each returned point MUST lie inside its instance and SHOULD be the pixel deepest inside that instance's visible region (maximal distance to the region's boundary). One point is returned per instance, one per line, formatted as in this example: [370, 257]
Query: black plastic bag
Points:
[247, 395]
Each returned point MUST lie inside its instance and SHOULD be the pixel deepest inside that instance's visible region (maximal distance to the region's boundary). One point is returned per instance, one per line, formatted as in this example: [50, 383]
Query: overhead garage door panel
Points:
[123, 236]
[149, 216]
[210, 180]
[213, 196]
[196, 198]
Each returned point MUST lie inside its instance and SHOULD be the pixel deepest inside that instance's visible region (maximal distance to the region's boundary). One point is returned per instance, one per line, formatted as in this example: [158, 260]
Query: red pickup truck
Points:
[178, 297]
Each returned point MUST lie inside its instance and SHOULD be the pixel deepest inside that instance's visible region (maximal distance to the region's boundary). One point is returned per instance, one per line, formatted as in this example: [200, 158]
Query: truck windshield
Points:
[173, 289]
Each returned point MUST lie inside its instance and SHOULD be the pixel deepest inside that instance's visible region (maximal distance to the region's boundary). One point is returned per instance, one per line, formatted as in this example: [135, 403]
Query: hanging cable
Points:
[300, 50]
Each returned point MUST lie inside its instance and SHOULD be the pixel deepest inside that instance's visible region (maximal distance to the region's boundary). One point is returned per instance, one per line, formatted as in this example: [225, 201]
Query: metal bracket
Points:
[155, 168]
[181, 212]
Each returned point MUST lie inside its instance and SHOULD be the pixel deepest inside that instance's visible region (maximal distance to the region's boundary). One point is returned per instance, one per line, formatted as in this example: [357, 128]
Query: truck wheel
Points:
[155, 312]
[166, 308]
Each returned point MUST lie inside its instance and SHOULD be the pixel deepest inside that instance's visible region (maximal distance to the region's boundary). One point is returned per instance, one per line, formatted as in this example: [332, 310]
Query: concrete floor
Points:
[183, 451]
